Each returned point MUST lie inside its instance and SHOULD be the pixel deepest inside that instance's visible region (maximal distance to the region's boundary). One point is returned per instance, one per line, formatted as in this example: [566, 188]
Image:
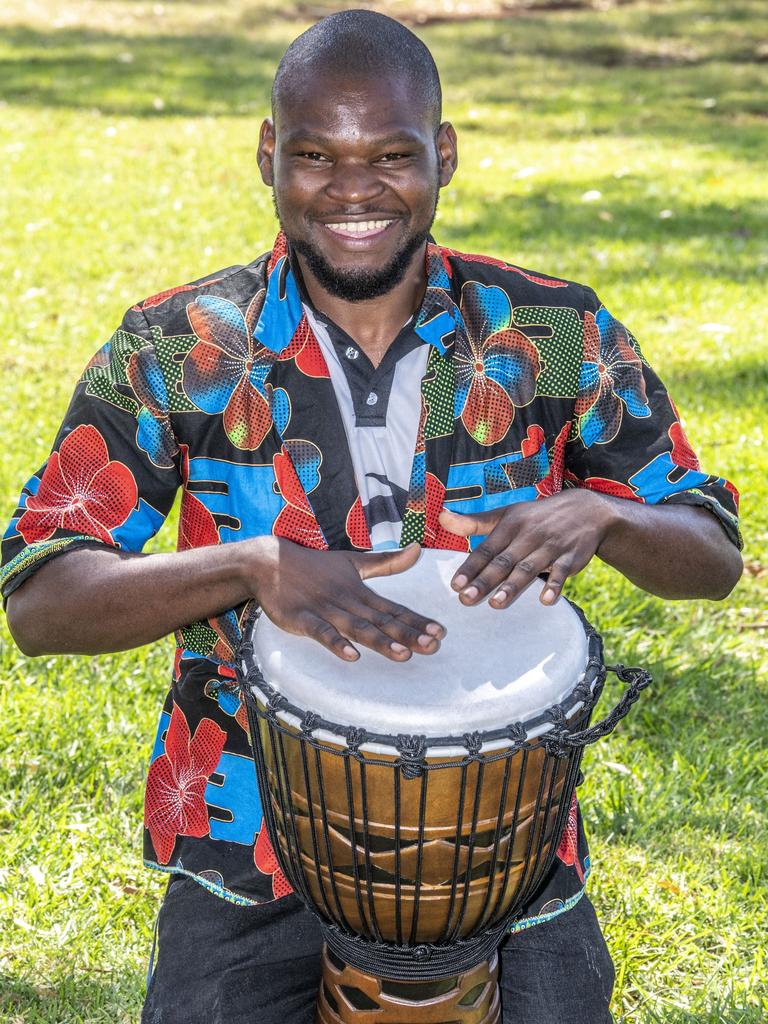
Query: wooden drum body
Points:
[415, 856]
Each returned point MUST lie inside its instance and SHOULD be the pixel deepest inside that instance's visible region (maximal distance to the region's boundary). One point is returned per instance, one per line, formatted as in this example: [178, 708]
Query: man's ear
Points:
[447, 151]
[266, 151]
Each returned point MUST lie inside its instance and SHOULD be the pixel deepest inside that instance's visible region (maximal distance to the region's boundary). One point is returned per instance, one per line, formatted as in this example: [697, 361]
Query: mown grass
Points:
[127, 137]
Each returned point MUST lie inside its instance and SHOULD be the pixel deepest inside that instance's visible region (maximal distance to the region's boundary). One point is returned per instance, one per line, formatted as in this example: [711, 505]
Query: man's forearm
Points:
[674, 551]
[91, 600]
[94, 600]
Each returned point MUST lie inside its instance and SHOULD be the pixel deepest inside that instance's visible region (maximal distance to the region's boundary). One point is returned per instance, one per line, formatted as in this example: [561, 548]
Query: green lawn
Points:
[626, 148]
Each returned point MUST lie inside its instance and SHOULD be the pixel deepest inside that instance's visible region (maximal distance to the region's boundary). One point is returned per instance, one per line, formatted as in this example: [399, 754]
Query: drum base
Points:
[350, 996]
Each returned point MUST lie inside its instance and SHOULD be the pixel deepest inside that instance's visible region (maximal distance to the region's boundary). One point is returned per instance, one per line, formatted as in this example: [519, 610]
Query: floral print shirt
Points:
[220, 388]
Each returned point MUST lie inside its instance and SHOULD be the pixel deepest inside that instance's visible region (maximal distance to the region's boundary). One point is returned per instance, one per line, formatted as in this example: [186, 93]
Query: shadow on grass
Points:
[138, 76]
[535, 69]
[115, 997]
[552, 212]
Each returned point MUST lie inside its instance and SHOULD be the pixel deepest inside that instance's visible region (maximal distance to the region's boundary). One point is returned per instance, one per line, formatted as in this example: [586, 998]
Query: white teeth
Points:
[360, 227]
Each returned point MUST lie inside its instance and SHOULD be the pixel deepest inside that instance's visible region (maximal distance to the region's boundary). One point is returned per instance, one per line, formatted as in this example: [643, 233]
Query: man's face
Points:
[356, 166]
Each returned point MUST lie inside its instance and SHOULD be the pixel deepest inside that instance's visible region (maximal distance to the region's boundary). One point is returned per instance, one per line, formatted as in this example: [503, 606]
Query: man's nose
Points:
[354, 183]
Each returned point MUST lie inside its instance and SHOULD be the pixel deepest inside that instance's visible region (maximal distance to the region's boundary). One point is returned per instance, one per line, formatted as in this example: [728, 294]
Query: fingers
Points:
[328, 636]
[385, 563]
[566, 565]
[528, 539]
[468, 525]
[503, 589]
[381, 625]
[505, 576]
[493, 559]
[404, 625]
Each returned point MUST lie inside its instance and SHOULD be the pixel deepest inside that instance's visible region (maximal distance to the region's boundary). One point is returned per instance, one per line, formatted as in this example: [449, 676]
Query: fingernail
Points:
[350, 652]
[435, 629]
[397, 648]
[548, 596]
[425, 640]
[499, 597]
[460, 582]
[471, 593]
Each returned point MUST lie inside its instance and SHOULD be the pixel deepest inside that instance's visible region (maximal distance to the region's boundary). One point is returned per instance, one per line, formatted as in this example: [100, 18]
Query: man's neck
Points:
[375, 323]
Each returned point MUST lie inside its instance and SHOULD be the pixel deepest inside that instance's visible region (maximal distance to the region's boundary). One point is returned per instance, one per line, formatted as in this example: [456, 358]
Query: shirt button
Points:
[351, 352]
[372, 399]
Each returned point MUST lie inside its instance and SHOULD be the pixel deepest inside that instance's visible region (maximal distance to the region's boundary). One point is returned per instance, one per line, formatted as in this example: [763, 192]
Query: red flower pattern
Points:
[80, 490]
[682, 453]
[296, 521]
[613, 487]
[436, 536]
[226, 370]
[357, 527]
[611, 380]
[266, 862]
[568, 850]
[197, 527]
[175, 804]
[305, 349]
[552, 483]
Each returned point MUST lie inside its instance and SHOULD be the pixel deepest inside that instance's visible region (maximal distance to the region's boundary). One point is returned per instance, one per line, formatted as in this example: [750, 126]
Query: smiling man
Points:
[358, 387]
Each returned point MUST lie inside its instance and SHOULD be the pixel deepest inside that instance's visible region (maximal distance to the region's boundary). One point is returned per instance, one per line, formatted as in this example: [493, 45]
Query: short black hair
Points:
[361, 43]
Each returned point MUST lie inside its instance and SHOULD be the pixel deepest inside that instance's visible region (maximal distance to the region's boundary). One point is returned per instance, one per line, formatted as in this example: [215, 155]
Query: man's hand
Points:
[674, 551]
[320, 594]
[557, 535]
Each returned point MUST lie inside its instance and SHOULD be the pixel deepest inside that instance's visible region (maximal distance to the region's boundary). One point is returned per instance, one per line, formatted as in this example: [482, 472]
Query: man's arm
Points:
[673, 551]
[93, 600]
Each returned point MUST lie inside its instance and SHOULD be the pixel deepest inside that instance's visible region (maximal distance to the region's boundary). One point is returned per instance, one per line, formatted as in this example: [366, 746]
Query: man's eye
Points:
[311, 155]
[393, 157]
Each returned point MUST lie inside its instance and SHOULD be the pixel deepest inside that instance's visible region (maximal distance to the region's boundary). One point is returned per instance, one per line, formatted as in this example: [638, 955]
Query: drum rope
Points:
[426, 961]
[412, 749]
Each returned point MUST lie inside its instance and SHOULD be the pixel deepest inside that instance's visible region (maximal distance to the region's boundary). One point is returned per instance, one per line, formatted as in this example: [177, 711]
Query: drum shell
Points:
[433, 858]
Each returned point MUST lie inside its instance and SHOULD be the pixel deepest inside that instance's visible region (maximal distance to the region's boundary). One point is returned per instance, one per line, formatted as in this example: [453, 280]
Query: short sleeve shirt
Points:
[510, 386]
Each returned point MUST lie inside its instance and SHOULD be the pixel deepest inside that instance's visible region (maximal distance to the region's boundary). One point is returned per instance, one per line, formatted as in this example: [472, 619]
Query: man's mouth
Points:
[358, 228]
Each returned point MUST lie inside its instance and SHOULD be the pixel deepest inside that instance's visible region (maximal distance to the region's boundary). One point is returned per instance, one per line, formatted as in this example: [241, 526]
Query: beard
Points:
[357, 285]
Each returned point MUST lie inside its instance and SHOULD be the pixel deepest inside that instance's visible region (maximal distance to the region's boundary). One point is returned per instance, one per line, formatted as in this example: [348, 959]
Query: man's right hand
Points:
[97, 599]
[321, 594]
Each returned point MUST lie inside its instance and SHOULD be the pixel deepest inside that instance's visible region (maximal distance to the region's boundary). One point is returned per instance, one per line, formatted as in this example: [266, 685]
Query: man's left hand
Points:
[556, 535]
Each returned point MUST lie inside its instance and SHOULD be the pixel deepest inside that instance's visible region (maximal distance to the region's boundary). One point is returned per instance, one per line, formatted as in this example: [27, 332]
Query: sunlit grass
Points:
[626, 149]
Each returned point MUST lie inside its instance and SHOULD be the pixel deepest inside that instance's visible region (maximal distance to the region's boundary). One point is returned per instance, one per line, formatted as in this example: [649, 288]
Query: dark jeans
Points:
[218, 963]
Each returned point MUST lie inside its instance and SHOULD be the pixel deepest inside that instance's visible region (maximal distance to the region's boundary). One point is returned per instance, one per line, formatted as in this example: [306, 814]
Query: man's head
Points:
[356, 153]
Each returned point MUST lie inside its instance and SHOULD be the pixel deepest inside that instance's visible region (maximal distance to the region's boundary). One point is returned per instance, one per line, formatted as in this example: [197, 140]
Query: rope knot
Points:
[411, 750]
[516, 732]
[355, 736]
[275, 703]
[473, 741]
[309, 722]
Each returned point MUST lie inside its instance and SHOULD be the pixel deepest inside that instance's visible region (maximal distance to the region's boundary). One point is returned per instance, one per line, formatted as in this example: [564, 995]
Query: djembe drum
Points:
[415, 807]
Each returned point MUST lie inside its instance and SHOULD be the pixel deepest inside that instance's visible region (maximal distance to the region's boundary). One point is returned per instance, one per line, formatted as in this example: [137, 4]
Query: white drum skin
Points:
[494, 666]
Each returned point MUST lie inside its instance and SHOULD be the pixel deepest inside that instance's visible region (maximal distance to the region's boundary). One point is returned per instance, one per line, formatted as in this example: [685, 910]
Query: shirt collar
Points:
[282, 312]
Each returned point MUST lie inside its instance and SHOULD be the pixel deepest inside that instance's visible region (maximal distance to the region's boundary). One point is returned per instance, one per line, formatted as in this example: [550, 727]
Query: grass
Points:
[127, 165]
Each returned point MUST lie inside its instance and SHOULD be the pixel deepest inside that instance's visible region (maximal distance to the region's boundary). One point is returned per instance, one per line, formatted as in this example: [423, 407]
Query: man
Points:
[357, 387]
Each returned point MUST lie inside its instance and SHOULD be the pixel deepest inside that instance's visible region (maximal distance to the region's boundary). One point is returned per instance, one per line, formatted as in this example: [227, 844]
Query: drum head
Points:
[494, 666]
